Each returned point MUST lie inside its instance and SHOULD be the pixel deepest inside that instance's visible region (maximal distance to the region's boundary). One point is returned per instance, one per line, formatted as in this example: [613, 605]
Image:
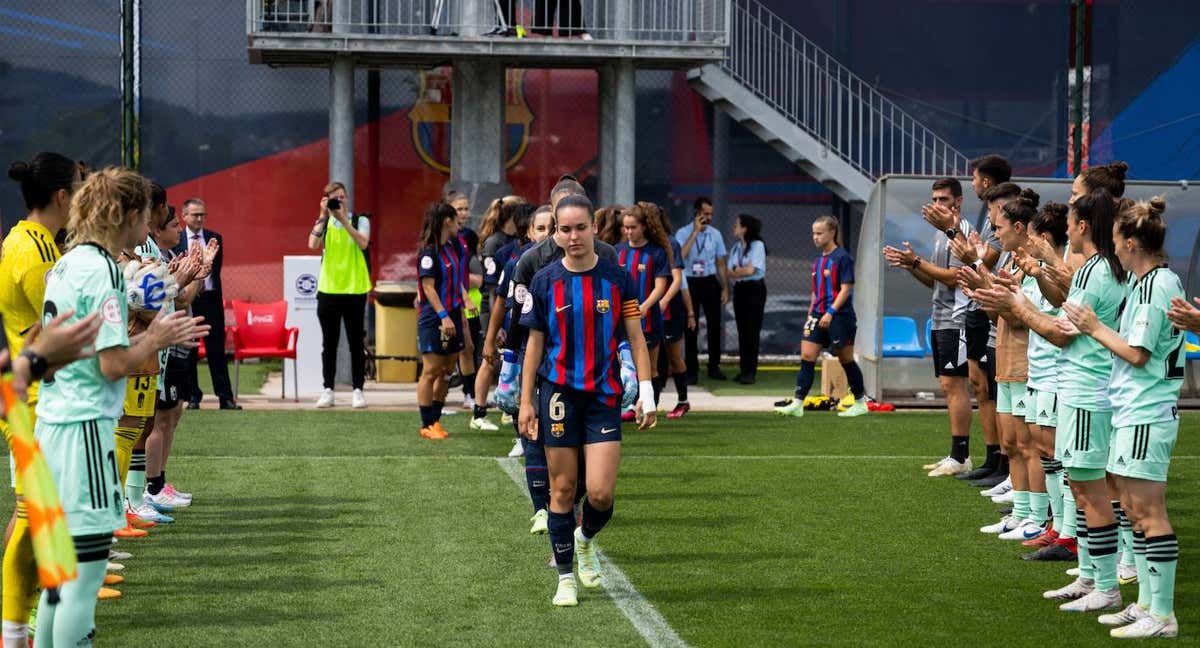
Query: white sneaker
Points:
[1148, 627]
[541, 523]
[928, 467]
[1076, 589]
[999, 489]
[518, 450]
[590, 575]
[1096, 600]
[506, 419]
[1026, 530]
[483, 425]
[150, 514]
[951, 467]
[357, 400]
[1073, 571]
[1004, 498]
[1127, 575]
[567, 594]
[326, 399]
[113, 554]
[1006, 524]
[163, 502]
[468, 402]
[112, 566]
[1131, 614]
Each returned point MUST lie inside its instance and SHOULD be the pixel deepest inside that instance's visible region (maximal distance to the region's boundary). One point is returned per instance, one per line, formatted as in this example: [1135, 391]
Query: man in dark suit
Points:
[210, 305]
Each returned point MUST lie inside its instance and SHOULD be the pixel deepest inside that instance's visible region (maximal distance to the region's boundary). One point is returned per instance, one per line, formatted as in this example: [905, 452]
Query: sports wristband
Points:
[831, 311]
[646, 395]
[442, 314]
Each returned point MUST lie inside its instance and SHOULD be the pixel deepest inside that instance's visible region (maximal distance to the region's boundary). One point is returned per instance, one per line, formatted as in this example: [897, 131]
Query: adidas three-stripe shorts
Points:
[82, 459]
[1082, 438]
[1143, 451]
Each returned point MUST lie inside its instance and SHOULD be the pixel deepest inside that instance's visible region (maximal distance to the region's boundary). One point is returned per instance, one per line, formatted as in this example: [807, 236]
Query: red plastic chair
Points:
[261, 331]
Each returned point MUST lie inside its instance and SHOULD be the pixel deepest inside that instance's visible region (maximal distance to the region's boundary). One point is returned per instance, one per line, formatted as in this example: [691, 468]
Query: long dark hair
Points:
[522, 215]
[647, 214]
[40, 177]
[435, 218]
[1052, 219]
[1099, 209]
[753, 230]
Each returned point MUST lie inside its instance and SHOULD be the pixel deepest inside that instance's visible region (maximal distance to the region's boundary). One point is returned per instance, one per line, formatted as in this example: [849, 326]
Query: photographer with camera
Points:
[342, 288]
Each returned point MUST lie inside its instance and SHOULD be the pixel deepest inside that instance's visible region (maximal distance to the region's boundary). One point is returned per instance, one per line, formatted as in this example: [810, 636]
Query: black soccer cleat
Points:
[1054, 552]
[991, 480]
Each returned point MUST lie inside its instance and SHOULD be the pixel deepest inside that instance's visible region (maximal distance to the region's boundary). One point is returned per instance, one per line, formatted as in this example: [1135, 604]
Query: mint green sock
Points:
[1143, 570]
[72, 620]
[1037, 506]
[1102, 547]
[1081, 544]
[1020, 505]
[1054, 490]
[1125, 533]
[1070, 520]
[135, 486]
[1162, 556]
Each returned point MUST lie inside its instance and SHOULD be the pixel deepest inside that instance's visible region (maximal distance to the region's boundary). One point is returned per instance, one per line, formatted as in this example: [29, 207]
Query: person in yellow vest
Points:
[342, 288]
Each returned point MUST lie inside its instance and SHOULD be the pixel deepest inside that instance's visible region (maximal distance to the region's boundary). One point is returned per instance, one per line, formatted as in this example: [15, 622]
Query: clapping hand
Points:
[1082, 317]
[939, 216]
[1185, 316]
[898, 258]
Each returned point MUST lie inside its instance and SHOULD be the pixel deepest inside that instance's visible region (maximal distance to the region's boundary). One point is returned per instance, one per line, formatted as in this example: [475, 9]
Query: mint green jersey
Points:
[1043, 356]
[1084, 366]
[86, 280]
[1150, 393]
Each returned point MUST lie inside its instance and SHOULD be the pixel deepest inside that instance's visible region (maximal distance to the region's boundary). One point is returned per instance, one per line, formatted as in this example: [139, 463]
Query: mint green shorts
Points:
[1047, 409]
[1143, 451]
[1083, 437]
[1011, 398]
[82, 459]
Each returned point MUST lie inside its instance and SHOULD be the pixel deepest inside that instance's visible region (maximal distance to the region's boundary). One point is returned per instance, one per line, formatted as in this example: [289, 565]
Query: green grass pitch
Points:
[345, 528]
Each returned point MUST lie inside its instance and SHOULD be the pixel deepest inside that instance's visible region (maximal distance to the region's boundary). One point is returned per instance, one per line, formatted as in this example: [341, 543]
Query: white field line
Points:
[640, 612]
[784, 457]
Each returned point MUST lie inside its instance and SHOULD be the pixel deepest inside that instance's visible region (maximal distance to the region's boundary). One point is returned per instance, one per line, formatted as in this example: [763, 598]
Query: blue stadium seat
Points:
[900, 339]
[928, 337]
[1191, 343]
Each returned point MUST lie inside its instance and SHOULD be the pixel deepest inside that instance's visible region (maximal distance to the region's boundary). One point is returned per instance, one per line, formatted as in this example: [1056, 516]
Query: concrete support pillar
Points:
[618, 132]
[477, 148]
[620, 20]
[721, 155]
[478, 16]
[341, 142]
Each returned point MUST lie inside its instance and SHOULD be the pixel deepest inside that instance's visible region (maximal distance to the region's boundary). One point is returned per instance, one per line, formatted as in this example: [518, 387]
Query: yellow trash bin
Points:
[395, 332]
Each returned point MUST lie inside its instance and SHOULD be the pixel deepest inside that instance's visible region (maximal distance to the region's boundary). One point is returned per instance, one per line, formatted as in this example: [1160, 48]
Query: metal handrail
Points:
[820, 95]
[637, 21]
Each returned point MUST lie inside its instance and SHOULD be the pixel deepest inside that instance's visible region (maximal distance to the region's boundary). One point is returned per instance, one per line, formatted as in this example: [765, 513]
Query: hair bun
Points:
[1031, 196]
[19, 171]
[1156, 206]
[1119, 169]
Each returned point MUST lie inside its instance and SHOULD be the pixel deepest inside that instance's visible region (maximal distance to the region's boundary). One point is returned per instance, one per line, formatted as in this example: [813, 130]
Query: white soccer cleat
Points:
[1095, 601]
[1026, 530]
[1131, 614]
[113, 554]
[1006, 524]
[540, 523]
[326, 399]
[506, 419]
[1076, 589]
[518, 450]
[468, 402]
[1127, 575]
[150, 514]
[1148, 627]
[164, 502]
[589, 563]
[999, 489]
[1005, 498]
[928, 467]
[483, 425]
[357, 400]
[567, 594]
[950, 467]
[1073, 571]
[114, 567]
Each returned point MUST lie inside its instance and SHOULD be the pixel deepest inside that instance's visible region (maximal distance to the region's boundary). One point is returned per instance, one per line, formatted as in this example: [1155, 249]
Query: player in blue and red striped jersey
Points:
[442, 267]
[831, 322]
[646, 255]
[577, 312]
[678, 317]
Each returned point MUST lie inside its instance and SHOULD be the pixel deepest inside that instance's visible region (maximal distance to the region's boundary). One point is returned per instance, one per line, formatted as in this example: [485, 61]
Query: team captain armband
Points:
[630, 310]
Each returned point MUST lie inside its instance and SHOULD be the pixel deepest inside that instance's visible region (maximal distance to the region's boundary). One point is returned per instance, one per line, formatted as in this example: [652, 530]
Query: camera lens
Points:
[334, 203]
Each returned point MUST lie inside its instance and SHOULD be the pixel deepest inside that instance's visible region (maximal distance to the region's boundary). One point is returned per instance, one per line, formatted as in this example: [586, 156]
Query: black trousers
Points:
[749, 298]
[333, 311]
[211, 307]
[706, 299]
[568, 12]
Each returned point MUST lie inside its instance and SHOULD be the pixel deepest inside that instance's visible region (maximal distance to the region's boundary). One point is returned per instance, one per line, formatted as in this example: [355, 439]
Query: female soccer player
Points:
[1084, 432]
[1011, 226]
[831, 321]
[576, 312]
[1147, 373]
[76, 423]
[1047, 246]
[442, 267]
[678, 316]
[646, 255]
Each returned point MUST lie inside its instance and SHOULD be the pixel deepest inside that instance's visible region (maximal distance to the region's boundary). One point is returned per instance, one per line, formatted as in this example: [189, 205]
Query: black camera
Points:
[333, 204]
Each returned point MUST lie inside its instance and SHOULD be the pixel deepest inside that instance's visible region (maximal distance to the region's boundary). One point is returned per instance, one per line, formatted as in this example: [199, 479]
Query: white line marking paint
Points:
[640, 612]
[780, 457]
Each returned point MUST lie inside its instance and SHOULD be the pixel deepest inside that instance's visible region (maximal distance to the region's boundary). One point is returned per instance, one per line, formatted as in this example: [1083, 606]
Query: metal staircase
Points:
[815, 111]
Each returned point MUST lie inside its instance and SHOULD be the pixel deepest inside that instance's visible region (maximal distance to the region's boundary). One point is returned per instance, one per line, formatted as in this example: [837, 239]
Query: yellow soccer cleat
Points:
[567, 595]
[589, 563]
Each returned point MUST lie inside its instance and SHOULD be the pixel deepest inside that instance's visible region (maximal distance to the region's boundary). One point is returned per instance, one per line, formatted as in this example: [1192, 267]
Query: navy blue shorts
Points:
[840, 333]
[673, 328]
[429, 335]
[569, 418]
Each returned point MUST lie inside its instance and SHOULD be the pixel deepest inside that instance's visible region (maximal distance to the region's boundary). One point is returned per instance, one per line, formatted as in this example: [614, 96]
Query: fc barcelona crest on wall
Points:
[430, 118]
